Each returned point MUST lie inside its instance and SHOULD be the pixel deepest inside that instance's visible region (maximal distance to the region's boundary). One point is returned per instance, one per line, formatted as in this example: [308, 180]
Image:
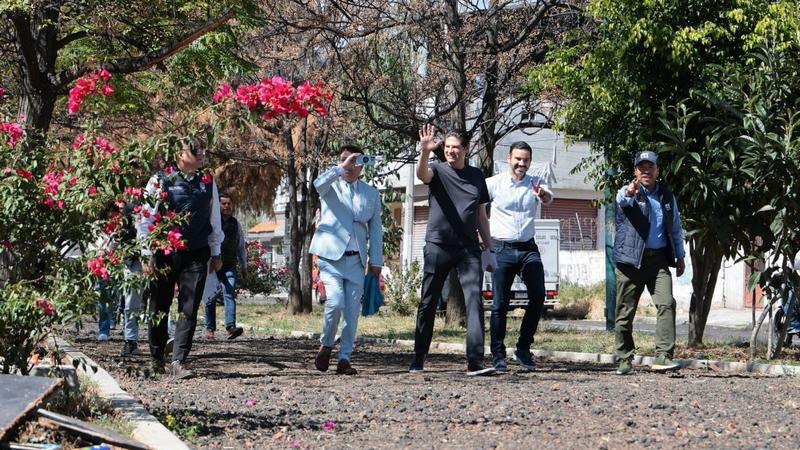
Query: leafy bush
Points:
[403, 288]
[261, 278]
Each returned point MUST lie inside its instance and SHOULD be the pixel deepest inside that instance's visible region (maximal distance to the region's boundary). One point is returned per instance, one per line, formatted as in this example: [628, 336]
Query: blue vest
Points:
[633, 227]
[193, 196]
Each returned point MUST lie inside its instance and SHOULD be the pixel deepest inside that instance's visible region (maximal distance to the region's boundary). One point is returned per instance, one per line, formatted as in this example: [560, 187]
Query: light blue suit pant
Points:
[344, 284]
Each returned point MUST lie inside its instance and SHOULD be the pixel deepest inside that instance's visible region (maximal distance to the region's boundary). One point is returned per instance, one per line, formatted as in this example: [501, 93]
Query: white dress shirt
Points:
[515, 206]
[153, 190]
[352, 189]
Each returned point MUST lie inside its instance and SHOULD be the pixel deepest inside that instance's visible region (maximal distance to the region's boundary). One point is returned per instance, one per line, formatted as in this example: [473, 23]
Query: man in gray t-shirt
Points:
[458, 198]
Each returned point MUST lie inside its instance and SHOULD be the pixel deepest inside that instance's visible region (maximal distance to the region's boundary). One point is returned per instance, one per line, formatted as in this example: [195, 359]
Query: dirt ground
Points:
[265, 393]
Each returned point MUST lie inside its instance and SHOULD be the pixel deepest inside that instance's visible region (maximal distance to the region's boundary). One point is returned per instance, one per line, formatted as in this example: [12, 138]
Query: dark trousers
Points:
[439, 260]
[188, 269]
[514, 259]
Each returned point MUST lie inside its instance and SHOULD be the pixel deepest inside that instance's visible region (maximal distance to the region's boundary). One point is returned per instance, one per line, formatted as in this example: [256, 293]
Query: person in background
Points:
[233, 251]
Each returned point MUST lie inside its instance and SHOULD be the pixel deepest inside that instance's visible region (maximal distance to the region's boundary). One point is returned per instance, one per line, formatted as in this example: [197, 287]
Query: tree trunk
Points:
[292, 226]
[305, 225]
[706, 261]
[456, 308]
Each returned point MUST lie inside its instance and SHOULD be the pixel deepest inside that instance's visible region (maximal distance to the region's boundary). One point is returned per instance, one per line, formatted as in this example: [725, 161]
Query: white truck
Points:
[548, 238]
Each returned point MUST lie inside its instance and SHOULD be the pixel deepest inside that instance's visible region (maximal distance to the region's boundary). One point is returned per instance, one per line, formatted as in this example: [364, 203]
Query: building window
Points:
[578, 222]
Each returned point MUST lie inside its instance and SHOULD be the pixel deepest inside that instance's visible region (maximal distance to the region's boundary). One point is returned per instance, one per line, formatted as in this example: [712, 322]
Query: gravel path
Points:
[264, 393]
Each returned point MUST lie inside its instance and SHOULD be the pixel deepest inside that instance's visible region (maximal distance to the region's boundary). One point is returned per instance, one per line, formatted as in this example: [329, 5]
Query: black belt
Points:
[351, 253]
[517, 245]
[655, 251]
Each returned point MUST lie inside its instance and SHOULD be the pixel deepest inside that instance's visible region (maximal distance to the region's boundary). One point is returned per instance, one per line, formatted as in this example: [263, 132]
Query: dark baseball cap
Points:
[646, 155]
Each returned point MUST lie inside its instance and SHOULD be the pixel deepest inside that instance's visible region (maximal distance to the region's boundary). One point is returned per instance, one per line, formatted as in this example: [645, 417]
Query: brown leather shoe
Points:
[344, 368]
[323, 358]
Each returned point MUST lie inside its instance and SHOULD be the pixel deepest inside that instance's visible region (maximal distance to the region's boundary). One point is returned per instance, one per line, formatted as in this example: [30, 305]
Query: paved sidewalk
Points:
[724, 325]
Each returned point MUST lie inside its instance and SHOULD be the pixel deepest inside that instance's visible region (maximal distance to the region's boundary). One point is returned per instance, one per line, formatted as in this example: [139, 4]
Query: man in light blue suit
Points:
[348, 235]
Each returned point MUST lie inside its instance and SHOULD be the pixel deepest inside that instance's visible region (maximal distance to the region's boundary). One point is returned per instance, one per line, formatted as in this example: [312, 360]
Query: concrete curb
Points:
[596, 358]
[147, 429]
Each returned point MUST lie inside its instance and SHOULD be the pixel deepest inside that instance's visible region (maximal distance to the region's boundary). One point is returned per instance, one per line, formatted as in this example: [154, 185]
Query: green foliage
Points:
[403, 286]
[262, 278]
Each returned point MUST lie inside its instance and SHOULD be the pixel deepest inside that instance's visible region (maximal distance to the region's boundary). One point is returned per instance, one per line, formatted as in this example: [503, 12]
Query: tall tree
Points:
[452, 63]
[51, 43]
[617, 76]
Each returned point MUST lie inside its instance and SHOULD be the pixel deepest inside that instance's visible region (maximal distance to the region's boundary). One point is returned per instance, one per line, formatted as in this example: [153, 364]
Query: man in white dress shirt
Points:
[516, 197]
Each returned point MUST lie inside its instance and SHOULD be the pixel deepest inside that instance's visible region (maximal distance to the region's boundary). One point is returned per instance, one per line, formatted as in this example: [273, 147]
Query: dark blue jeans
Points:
[228, 279]
[516, 259]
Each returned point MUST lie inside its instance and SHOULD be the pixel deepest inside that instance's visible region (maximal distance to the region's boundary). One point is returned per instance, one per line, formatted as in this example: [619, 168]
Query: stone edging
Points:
[147, 429]
[597, 358]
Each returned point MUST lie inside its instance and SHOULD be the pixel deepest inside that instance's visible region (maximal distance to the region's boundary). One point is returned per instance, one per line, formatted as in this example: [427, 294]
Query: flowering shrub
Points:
[261, 277]
[55, 199]
[275, 97]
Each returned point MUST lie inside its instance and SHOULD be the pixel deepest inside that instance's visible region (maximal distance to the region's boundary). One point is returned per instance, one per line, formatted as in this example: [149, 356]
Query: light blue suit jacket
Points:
[338, 222]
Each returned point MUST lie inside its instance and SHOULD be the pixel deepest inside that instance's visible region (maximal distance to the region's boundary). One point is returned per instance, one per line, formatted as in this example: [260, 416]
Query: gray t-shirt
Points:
[454, 199]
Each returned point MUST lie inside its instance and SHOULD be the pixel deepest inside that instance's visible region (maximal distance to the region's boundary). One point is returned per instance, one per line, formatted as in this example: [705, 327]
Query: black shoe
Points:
[523, 357]
[157, 366]
[179, 371]
[234, 332]
[169, 346]
[417, 365]
[130, 348]
[500, 364]
[478, 369]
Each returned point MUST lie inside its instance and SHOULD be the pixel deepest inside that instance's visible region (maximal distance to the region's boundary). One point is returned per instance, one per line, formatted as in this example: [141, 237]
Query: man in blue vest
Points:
[181, 188]
[648, 241]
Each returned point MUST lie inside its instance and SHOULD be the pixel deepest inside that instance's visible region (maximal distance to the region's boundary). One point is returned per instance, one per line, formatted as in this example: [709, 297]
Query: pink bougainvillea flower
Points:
[251, 402]
[46, 307]
[85, 86]
[49, 201]
[328, 425]
[78, 141]
[61, 204]
[223, 92]
[27, 174]
[7, 244]
[14, 131]
[163, 195]
[206, 178]
[98, 267]
[73, 180]
[2, 92]
[92, 190]
[175, 238]
[168, 170]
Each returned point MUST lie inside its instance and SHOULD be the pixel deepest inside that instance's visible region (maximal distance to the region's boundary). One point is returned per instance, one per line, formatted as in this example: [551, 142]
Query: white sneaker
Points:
[102, 337]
